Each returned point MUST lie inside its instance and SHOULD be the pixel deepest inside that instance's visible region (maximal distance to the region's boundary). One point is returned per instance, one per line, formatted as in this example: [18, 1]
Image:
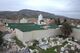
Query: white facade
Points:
[37, 34]
[23, 20]
[76, 33]
[19, 34]
[78, 26]
[40, 17]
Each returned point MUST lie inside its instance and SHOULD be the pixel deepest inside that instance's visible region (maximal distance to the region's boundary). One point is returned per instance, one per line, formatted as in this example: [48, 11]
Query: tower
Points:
[40, 17]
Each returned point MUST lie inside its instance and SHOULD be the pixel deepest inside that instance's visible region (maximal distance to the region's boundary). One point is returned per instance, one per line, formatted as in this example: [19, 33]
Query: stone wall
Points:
[76, 33]
[19, 34]
[38, 34]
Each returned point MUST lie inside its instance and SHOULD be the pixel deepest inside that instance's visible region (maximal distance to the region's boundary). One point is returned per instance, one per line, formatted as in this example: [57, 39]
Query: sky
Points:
[69, 8]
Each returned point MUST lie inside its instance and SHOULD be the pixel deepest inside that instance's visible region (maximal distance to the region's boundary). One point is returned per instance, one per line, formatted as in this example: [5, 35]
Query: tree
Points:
[66, 29]
[18, 42]
[1, 38]
[35, 42]
[57, 21]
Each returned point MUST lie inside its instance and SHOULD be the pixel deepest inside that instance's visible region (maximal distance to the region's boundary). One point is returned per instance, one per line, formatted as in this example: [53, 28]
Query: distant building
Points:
[10, 20]
[40, 17]
[50, 21]
[32, 20]
[23, 20]
[2, 27]
[41, 20]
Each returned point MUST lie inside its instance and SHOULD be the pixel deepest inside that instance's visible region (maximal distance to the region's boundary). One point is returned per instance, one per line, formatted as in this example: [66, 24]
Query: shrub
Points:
[18, 42]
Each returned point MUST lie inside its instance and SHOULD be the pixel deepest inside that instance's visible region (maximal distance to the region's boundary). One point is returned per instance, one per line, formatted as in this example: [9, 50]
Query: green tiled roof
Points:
[25, 26]
[29, 26]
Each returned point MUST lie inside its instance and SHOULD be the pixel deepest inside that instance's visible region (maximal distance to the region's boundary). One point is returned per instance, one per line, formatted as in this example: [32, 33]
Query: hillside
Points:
[24, 13]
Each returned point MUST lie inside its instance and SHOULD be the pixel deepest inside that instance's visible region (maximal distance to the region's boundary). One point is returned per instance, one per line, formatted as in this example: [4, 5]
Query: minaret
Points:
[40, 17]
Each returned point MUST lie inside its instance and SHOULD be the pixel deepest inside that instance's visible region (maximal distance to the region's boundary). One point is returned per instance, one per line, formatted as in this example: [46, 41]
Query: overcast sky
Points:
[69, 8]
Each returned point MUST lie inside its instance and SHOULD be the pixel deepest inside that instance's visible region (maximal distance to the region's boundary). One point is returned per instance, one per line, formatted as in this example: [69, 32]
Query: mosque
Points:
[30, 31]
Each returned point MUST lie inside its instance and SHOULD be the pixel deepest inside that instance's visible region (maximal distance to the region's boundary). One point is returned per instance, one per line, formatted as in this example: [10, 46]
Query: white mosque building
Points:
[40, 20]
[40, 17]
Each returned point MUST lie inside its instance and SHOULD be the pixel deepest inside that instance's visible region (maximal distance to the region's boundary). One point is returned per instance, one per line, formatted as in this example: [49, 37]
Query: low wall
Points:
[38, 34]
[19, 34]
[76, 33]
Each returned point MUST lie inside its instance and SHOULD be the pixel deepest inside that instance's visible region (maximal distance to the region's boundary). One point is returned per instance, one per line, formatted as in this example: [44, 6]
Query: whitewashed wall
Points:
[19, 34]
[76, 33]
[23, 20]
[38, 34]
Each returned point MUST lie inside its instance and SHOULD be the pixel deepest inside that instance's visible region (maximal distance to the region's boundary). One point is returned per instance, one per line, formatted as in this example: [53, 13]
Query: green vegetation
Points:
[35, 42]
[66, 29]
[18, 42]
[32, 47]
[65, 43]
[50, 50]
[58, 21]
[24, 13]
[1, 38]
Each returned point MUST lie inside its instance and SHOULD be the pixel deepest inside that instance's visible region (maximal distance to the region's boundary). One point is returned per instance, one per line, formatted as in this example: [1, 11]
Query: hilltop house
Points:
[23, 20]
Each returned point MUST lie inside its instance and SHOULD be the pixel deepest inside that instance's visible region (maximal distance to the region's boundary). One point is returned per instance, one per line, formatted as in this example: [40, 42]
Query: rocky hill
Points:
[24, 13]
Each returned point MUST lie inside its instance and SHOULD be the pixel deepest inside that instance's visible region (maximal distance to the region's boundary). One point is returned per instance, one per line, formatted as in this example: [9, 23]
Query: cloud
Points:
[55, 4]
[61, 7]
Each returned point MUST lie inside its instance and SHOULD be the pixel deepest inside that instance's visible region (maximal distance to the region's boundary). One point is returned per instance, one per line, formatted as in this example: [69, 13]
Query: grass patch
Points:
[50, 50]
[18, 42]
[32, 47]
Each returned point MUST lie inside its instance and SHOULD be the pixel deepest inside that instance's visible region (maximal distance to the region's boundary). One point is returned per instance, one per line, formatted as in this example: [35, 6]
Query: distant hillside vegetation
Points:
[24, 13]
